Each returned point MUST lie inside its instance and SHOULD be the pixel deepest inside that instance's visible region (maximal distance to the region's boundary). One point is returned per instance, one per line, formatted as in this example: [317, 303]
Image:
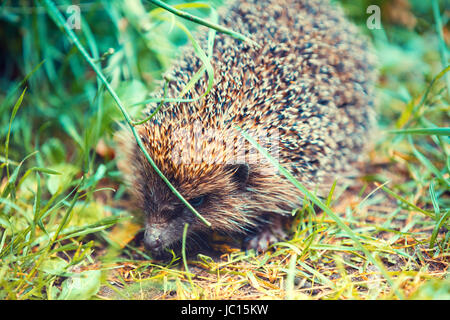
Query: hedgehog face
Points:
[222, 178]
[218, 196]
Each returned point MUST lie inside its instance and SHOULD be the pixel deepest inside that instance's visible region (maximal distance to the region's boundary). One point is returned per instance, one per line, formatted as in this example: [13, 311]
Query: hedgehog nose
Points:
[152, 243]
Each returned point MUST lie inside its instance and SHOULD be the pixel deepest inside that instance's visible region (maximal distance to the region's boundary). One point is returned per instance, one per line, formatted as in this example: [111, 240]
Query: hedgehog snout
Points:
[162, 231]
[153, 239]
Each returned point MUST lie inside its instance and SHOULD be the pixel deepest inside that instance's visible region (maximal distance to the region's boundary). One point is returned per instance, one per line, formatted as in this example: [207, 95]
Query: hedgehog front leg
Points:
[271, 233]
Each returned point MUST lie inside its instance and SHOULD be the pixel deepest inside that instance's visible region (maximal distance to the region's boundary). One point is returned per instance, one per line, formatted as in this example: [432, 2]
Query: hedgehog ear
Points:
[241, 173]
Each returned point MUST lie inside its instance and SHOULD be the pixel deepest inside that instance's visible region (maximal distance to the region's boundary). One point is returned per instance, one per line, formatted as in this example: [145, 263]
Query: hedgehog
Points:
[304, 92]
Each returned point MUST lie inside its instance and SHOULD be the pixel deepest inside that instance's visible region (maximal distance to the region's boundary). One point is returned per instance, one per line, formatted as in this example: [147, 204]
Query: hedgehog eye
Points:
[241, 173]
[195, 202]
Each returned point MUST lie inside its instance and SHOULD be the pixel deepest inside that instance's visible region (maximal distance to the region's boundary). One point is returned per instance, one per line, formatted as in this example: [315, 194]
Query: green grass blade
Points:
[198, 20]
[405, 201]
[427, 163]
[205, 67]
[136, 123]
[417, 108]
[438, 225]
[290, 278]
[12, 92]
[428, 131]
[13, 115]
[434, 200]
[183, 253]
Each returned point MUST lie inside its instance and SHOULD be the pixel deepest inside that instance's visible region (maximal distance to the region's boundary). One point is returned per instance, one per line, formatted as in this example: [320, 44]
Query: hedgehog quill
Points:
[305, 92]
